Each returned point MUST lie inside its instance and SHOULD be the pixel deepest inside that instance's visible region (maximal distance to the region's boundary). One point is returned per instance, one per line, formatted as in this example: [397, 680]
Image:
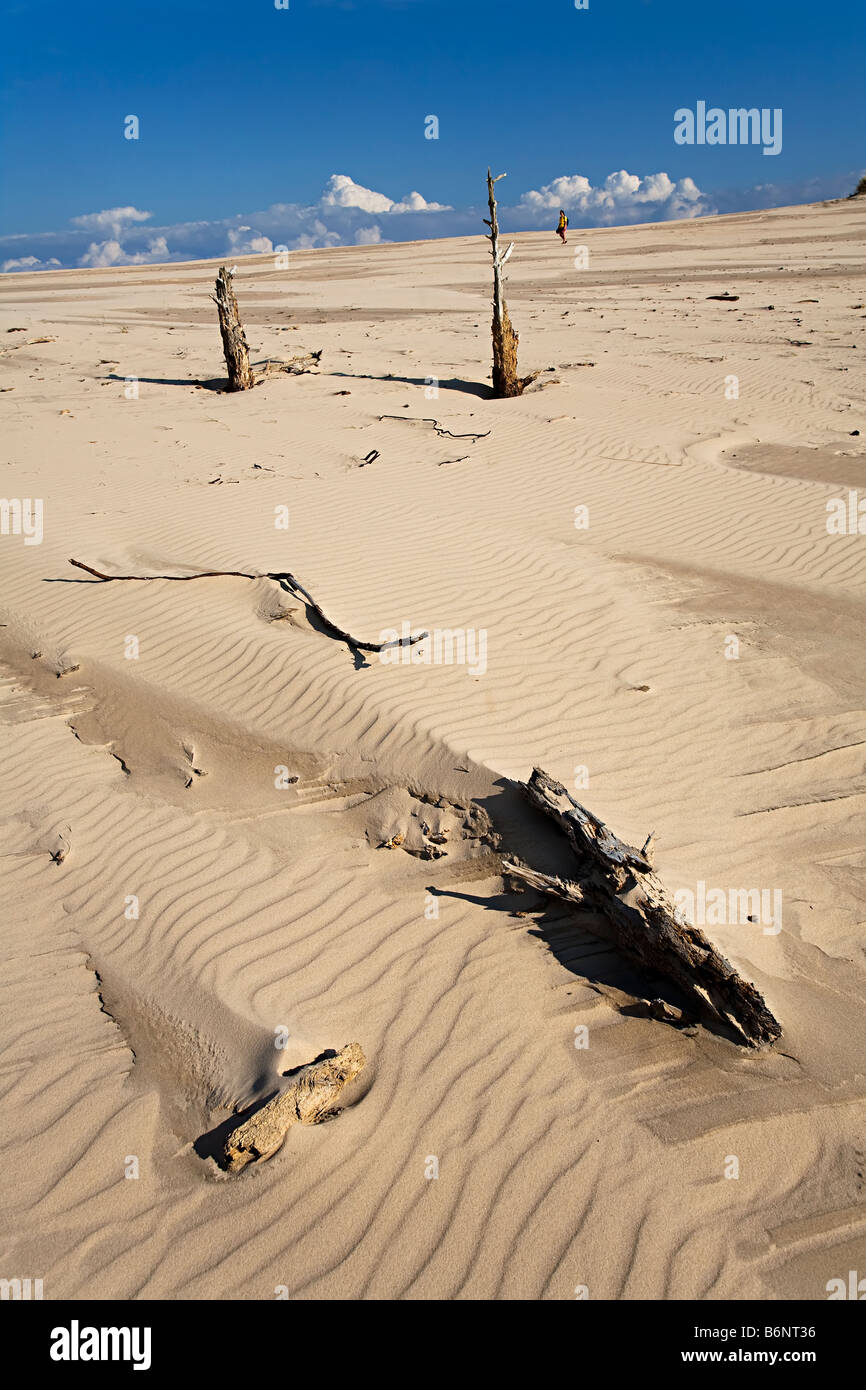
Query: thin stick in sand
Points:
[286, 580]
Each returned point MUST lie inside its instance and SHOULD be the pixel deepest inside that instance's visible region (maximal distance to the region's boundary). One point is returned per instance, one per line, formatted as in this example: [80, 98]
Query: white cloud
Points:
[623, 197]
[29, 263]
[413, 202]
[244, 245]
[368, 236]
[343, 192]
[103, 253]
[564, 192]
[118, 223]
[107, 253]
[112, 220]
[315, 235]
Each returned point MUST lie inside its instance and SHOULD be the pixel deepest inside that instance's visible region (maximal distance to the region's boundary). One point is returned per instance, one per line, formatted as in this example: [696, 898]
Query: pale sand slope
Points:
[261, 908]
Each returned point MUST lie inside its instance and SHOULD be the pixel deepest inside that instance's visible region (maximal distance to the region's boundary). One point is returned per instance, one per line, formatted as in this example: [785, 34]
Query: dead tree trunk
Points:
[618, 881]
[307, 1098]
[237, 354]
[506, 382]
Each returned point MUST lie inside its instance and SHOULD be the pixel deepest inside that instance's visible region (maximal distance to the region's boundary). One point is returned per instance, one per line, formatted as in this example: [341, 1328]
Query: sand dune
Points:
[169, 910]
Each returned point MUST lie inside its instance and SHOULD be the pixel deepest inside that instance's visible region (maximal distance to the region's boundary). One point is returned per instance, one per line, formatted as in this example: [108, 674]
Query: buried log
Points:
[237, 353]
[306, 1100]
[618, 881]
[506, 382]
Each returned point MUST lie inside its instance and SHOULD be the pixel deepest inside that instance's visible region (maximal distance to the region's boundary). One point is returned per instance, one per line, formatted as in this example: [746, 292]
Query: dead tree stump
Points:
[506, 382]
[237, 353]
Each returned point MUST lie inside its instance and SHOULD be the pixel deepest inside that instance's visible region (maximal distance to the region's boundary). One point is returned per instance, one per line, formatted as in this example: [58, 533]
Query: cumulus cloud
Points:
[245, 245]
[110, 252]
[413, 202]
[111, 221]
[622, 198]
[29, 263]
[343, 192]
[368, 236]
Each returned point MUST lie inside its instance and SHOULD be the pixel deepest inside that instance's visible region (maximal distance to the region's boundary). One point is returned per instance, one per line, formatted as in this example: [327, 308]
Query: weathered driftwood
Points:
[286, 581]
[237, 353]
[618, 881]
[30, 342]
[546, 883]
[294, 366]
[506, 382]
[309, 1095]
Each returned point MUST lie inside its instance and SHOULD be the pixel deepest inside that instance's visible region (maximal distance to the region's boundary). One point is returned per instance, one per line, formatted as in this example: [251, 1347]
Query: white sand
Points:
[261, 908]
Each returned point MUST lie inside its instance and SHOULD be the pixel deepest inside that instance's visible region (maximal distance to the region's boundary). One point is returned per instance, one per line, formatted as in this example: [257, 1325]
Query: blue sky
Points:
[247, 108]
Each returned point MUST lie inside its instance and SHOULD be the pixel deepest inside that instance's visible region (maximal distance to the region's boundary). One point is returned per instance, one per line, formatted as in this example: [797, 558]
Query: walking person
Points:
[561, 229]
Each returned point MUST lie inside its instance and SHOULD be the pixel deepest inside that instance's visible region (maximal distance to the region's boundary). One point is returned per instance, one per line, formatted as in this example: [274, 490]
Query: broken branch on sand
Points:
[618, 881]
[285, 580]
[307, 1099]
[294, 366]
[428, 420]
[30, 342]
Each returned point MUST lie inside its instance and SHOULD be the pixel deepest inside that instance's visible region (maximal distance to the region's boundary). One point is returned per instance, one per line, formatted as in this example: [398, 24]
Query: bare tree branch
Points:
[285, 580]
